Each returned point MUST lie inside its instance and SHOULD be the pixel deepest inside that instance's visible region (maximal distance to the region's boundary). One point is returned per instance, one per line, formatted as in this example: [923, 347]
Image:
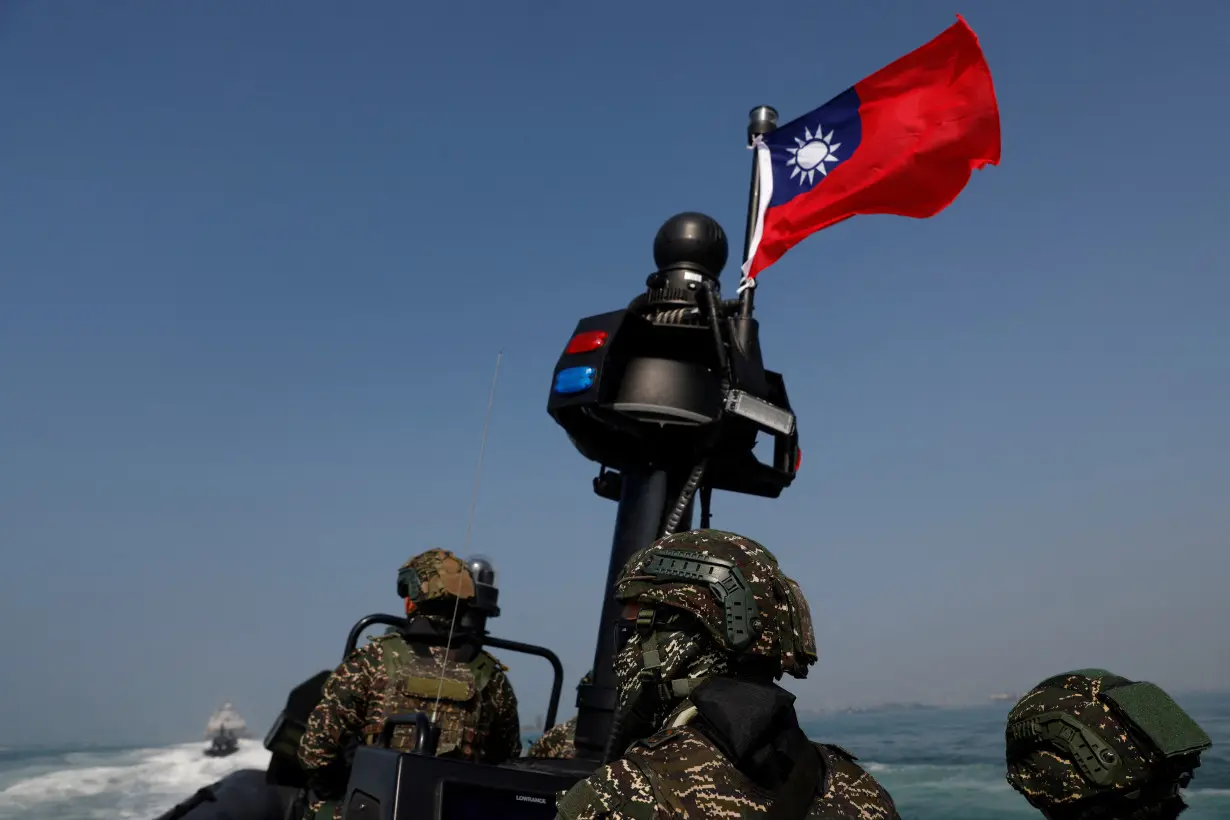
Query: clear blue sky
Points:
[256, 261]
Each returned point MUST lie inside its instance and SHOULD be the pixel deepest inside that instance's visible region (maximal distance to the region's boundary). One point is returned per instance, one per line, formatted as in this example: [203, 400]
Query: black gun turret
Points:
[668, 397]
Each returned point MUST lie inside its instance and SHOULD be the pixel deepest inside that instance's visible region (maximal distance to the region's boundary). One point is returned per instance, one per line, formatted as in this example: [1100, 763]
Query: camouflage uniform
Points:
[557, 742]
[472, 702]
[560, 740]
[1090, 744]
[694, 655]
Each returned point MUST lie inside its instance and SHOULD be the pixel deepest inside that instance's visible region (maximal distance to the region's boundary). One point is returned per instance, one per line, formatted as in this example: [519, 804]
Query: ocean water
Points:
[944, 764]
[948, 764]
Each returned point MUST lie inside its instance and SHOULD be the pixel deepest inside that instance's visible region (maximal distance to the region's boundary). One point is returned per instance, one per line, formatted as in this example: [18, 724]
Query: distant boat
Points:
[224, 730]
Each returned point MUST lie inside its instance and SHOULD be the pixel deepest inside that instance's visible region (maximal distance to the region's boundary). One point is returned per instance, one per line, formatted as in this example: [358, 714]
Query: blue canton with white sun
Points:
[805, 150]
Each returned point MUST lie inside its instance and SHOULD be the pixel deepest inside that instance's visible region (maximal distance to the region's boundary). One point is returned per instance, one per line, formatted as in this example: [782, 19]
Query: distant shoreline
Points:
[1001, 700]
[14, 748]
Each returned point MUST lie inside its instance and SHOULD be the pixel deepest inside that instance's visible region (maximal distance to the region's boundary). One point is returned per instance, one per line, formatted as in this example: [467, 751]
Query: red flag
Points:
[903, 141]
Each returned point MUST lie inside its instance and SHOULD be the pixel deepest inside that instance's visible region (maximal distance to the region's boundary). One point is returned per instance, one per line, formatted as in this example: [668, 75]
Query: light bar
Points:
[586, 342]
[759, 411]
[574, 380]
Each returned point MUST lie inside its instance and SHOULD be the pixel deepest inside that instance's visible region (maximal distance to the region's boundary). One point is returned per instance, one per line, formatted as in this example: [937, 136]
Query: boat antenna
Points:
[478, 472]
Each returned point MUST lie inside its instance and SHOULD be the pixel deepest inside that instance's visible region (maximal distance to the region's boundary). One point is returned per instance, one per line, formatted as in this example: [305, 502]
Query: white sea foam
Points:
[130, 785]
[937, 766]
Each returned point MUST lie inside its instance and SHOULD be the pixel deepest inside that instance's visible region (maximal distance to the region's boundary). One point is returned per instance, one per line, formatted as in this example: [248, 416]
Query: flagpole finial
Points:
[760, 121]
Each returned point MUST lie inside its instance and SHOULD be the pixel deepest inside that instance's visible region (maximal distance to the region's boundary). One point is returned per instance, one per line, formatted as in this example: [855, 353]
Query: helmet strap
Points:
[653, 687]
[651, 696]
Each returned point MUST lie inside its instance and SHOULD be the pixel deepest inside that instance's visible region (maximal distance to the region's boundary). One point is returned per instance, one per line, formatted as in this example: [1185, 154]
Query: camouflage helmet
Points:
[1092, 734]
[734, 587]
[435, 576]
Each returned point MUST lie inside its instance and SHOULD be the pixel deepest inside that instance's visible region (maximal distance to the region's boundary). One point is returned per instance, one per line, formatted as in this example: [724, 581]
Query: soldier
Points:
[1090, 744]
[560, 740]
[468, 696]
[710, 622]
[557, 742]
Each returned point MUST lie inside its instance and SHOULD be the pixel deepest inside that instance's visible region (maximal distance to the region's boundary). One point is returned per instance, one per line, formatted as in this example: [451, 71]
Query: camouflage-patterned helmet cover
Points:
[781, 628]
[1116, 737]
[435, 575]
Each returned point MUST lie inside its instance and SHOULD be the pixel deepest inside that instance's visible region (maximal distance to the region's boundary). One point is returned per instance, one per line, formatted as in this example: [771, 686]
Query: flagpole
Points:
[760, 121]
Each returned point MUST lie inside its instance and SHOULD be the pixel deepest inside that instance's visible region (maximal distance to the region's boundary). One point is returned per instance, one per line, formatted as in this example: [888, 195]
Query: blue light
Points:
[574, 379]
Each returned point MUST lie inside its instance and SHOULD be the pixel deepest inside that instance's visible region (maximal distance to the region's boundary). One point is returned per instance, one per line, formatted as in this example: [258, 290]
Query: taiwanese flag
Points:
[903, 141]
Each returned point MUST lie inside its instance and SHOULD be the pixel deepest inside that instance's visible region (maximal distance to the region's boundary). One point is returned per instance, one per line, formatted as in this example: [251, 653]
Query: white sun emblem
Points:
[808, 159]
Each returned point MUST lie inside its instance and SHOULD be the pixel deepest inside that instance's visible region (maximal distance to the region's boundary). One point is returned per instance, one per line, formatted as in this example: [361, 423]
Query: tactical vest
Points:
[673, 774]
[462, 714]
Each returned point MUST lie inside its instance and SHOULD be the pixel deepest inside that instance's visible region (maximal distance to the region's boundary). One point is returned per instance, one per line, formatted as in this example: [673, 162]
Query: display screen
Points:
[470, 801]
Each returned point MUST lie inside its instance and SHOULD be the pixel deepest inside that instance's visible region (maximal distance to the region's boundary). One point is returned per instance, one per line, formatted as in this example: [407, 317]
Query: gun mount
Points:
[668, 396]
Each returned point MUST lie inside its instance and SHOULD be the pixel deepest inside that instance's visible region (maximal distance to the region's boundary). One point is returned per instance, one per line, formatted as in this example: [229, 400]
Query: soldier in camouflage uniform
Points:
[557, 742]
[710, 622]
[1090, 744]
[560, 740]
[464, 691]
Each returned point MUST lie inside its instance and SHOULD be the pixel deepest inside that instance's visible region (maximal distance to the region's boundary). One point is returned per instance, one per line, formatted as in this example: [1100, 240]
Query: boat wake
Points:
[136, 784]
[942, 766]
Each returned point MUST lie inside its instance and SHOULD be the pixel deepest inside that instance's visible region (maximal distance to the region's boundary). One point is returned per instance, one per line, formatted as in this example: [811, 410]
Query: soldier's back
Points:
[418, 678]
[681, 773]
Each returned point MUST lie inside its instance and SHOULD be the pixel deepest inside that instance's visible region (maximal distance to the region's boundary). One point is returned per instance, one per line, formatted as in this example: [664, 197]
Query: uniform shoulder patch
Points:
[837, 750]
[574, 802]
[660, 739]
[485, 668]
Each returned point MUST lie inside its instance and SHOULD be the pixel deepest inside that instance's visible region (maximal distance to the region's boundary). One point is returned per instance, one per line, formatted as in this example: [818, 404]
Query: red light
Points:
[798, 459]
[586, 342]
